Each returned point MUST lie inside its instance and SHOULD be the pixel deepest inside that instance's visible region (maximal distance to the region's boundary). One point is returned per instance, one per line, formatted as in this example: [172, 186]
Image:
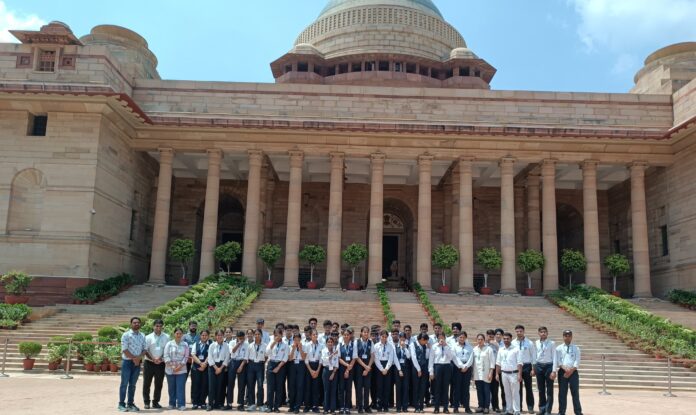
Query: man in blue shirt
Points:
[133, 349]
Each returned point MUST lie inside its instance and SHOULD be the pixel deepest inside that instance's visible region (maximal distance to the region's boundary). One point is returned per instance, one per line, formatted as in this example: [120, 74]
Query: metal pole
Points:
[604, 377]
[669, 393]
[66, 375]
[4, 359]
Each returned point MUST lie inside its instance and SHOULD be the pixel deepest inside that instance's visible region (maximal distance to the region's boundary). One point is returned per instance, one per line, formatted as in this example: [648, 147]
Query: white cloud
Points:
[11, 20]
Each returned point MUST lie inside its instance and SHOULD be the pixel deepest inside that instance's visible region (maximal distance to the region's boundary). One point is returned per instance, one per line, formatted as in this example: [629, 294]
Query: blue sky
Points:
[546, 45]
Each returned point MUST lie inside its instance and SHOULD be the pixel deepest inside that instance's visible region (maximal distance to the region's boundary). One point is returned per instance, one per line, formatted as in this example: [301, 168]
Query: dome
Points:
[426, 6]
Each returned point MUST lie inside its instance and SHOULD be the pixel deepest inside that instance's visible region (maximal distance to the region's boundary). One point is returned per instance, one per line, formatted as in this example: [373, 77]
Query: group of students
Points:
[396, 369]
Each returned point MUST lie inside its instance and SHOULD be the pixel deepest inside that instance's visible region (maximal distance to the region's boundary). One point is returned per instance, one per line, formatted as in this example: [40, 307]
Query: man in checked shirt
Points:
[565, 366]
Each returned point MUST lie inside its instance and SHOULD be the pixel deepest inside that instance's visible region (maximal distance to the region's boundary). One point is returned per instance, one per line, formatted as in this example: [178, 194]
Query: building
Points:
[381, 129]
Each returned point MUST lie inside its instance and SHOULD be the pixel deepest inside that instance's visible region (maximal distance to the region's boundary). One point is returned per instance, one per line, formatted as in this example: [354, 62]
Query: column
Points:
[534, 222]
[593, 276]
[292, 234]
[252, 216]
[333, 246]
[423, 246]
[160, 231]
[374, 264]
[507, 226]
[548, 219]
[466, 226]
[210, 214]
[639, 224]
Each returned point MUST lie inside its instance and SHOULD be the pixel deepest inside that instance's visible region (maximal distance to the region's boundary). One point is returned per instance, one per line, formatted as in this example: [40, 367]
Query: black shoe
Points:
[446, 411]
[209, 408]
[468, 411]
[122, 408]
[368, 411]
[436, 411]
[155, 406]
[146, 406]
[455, 410]
[133, 408]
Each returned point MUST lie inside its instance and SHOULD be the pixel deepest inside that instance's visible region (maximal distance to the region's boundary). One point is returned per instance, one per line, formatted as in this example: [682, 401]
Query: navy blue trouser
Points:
[362, 387]
[545, 387]
[255, 381]
[419, 384]
[563, 384]
[440, 387]
[329, 390]
[296, 380]
[275, 383]
[312, 388]
[461, 382]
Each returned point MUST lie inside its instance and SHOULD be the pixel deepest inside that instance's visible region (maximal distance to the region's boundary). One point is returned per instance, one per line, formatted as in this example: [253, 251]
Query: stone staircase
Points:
[625, 367]
[408, 310]
[666, 309]
[71, 319]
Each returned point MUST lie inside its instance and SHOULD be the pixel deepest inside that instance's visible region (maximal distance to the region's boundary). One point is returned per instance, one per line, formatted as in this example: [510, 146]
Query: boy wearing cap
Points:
[565, 367]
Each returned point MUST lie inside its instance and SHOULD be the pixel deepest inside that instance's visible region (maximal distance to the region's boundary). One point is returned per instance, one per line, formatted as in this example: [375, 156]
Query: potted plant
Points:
[313, 255]
[573, 260]
[113, 353]
[228, 253]
[269, 254]
[16, 284]
[353, 255]
[30, 350]
[444, 257]
[183, 251]
[90, 361]
[529, 261]
[618, 265]
[57, 351]
[490, 260]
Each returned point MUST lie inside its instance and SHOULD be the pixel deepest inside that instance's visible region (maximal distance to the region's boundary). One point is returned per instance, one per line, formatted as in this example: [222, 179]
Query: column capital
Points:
[548, 167]
[377, 160]
[507, 161]
[549, 161]
[638, 165]
[214, 155]
[466, 159]
[296, 158]
[166, 154]
[337, 157]
[425, 159]
[255, 154]
[589, 164]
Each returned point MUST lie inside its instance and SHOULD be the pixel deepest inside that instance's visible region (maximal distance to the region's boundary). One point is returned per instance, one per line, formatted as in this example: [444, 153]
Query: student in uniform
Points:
[312, 361]
[278, 353]
[296, 374]
[199, 370]
[348, 354]
[327, 332]
[154, 364]
[256, 360]
[218, 359]
[528, 356]
[454, 338]
[363, 371]
[265, 336]
[374, 396]
[484, 366]
[402, 381]
[385, 358]
[461, 377]
[229, 336]
[440, 368]
[420, 357]
[499, 339]
[544, 368]
[494, 385]
[565, 367]
[239, 349]
[329, 367]
[508, 369]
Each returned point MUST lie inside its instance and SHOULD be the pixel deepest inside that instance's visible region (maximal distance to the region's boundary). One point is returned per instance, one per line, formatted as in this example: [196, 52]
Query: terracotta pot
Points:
[486, 291]
[28, 364]
[16, 299]
[105, 367]
[97, 368]
[183, 282]
[268, 284]
[529, 292]
[444, 289]
[53, 365]
[113, 368]
[616, 293]
[312, 285]
[353, 286]
[89, 367]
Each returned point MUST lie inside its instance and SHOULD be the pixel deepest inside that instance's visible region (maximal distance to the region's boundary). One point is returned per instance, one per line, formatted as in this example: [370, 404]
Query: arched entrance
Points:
[397, 244]
[570, 235]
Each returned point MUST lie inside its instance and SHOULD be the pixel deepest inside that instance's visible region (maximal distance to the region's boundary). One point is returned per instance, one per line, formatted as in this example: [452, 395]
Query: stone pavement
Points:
[99, 395]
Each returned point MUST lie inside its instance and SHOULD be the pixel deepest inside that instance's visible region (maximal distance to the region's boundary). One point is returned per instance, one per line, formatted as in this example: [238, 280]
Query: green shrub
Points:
[682, 297]
[183, 251]
[164, 309]
[16, 312]
[109, 286]
[82, 337]
[432, 311]
[228, 253]
[30, 349]
[108, 332]
[572, 261]
[444, 257]
[8, 324]
[269, 255]
[57, 340]
[353, 255]
[154, 315]
[529, 261]
[16, 282]
[313, 255]
[490, 260]
[386, 307]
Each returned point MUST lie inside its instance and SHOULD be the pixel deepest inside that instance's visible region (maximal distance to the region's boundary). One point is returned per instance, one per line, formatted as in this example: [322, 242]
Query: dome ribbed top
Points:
[426, 6]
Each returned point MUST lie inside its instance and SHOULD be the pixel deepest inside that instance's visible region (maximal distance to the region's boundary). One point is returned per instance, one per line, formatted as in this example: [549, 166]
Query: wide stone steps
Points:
[668, 310]
[624, 367]
[408, 310]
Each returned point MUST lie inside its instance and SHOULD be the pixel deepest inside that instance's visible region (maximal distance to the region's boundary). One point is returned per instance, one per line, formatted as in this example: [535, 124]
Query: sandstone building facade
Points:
[381, 128]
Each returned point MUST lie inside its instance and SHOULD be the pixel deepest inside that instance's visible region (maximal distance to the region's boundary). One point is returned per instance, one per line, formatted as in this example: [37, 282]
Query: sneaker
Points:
[251, 408]
[133, 408]
[122, 408]
[182, 408]
[146, 406]
[155, 406]
[170, 407]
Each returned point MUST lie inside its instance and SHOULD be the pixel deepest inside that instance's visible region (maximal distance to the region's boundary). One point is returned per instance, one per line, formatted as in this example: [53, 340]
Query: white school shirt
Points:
[452, 340]
[297, 358]
[329, 361]
[155, 344]
[313, 352]
[544, 351]
[443, 355]
[484, 361]
[265, 337]
[509, 358]
[405, 353]
[242, 351]
[385, 352]
[256, 353]
[566, 357]
[218, 353]
[278, 352]
[527, 350]
[414, 356]
[464, 353]
[353, 354]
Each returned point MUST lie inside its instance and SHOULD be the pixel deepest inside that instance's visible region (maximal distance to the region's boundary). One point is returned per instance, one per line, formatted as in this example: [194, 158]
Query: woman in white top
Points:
[312, 361]
[440, 368]
[176, 354]
[385, 358]
[484, 365]
[329, 365]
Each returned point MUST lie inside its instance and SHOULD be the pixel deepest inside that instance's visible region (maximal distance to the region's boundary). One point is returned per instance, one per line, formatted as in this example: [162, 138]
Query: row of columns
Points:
[537, 232]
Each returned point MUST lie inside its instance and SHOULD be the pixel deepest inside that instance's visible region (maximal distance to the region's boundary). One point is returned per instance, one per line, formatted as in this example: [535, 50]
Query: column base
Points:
[509, 292]
[467, 291]
[645, 295]
[331, 286]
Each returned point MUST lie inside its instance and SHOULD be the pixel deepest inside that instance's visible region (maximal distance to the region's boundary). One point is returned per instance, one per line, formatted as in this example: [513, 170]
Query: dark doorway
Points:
[390, 254]
[235, 237]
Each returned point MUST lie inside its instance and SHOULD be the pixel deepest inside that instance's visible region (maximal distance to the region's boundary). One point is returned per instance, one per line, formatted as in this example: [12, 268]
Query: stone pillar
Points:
[333, 246]
[534, 223]
[466, 226]
[374, 264]
[593, 276]
[252, 219]
[160, 230]
[210, 214]
[292, 234]
[507, 226]
[548, 213]
[639, 224]
[423, 246]
[452, 237]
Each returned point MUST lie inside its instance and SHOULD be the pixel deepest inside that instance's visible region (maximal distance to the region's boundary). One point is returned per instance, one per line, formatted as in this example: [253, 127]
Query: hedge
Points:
[683, 298]
[430, 308]
[386, 307]
[108, 287]
[12, 315]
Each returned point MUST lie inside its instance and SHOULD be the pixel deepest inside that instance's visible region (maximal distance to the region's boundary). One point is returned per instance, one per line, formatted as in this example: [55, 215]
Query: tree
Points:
[183, 251]
[228, 253]
[313, 255]
[269, 254]
[529, 261]
[618, 265]
[490, 259]
[444, 257]
[353, 255]
[573, 260]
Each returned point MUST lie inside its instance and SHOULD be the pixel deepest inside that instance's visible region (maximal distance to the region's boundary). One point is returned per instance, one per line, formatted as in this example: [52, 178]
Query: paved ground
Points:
[99, 395]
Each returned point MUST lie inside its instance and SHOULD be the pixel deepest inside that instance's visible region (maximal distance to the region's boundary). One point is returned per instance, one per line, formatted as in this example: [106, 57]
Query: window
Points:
[318, 69]
[37, 125]
[449, 74]
[383, 65]
[331, 70]
[464, 71]
[342, 68]
[302, 67]
[477, 73]
[434, 73]
[47, 61]
[288, 68]
[664, 239]
[617, 246]
[398, 67]
[133, 224]
[370, 66]
[424, 70]
[356, 67]
[410, 68]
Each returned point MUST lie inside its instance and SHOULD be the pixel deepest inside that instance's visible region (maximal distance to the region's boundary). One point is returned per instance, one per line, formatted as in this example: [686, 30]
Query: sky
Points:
[540, 45]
